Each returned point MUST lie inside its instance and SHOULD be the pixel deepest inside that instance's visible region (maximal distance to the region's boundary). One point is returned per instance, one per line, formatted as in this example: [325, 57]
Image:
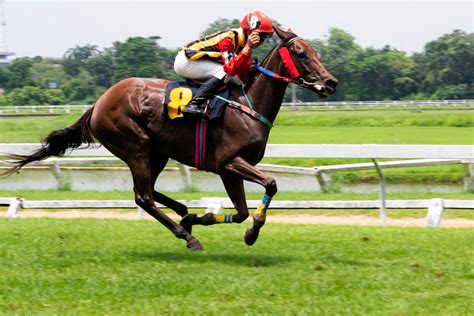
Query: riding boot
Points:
[207, 88]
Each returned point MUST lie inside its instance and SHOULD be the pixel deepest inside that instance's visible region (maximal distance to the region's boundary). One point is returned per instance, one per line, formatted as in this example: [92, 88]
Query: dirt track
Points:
[359, 220]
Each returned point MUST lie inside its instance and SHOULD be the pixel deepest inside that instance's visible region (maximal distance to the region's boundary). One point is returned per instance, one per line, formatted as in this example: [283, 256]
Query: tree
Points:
[165, 60]
[18, 74]
[446, 62]
[101, 67]
[75, 58]
[343, 58]
[137, 57]
[81, 89]
[221, 25]
[47, 69]
[34, 96]
[386, 74]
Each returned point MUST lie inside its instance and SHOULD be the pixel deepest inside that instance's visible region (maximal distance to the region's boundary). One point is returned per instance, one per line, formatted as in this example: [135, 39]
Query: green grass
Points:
[378, 118]
[32, 129]
[351, 127]
[372, 135]
[57, 267]
[128, 195]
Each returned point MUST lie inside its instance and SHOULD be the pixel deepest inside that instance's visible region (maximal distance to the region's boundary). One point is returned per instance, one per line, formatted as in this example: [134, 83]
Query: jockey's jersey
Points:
[208, 47]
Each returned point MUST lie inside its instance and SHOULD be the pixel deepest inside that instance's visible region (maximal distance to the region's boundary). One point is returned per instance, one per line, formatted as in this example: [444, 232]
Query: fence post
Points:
[14, 207]
[383, 208]
[214, 205]
[468, 185]
[187, 179]
[323, 180]
[57, 175]
[435, 213]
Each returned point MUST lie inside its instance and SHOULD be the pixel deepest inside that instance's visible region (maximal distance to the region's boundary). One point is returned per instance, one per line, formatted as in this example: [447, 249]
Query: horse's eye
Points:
[302, 56]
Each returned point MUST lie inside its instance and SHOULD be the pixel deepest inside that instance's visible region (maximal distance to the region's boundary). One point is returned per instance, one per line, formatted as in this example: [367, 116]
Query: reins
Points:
[294, 77]
[287, 62]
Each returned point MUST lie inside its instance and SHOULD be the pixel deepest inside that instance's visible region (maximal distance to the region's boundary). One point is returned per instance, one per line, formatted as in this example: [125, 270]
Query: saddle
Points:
[178, 94]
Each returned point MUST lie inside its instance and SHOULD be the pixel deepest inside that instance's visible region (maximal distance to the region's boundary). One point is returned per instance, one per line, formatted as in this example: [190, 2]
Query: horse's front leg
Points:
[241, 168]
[234, 186]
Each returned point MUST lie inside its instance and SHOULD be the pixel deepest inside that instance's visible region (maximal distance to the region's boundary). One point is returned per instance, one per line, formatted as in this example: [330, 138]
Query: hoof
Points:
[187, 222]
[194, 245]
[251, 236]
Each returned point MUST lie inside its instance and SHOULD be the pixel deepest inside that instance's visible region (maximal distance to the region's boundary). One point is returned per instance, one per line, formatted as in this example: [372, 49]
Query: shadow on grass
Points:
[249, 260]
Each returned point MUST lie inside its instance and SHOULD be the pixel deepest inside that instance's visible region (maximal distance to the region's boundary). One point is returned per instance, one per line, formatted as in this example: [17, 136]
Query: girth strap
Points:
[200, 144]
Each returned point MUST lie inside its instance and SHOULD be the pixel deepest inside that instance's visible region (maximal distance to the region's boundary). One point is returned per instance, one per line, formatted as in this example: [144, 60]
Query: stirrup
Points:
[193, 109]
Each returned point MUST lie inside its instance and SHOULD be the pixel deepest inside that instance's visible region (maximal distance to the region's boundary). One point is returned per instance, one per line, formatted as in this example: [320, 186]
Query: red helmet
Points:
[258, 21]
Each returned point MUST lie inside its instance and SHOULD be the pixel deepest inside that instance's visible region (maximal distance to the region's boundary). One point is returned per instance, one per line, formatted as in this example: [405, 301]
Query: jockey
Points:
[221, 57]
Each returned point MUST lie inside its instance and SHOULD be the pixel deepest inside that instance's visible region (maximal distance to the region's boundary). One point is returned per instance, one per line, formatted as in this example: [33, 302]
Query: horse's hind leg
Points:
[140, 167]
[157, 164]
[179, 208]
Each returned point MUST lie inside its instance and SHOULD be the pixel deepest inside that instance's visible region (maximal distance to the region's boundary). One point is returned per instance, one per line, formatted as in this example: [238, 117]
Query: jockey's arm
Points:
[234, 64]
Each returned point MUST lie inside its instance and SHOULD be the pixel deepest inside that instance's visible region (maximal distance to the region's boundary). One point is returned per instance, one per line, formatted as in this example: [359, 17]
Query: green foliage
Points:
[447, 61]
[81, 89]
[386, 75]
[3, 100]
[137, 57]
[442, 71]
[75, 58]
[18, 74]
[343, 57]
[101, 68]
[45, 70]
[453, 92]
[220, 25]
[34, 96]
[165, 59]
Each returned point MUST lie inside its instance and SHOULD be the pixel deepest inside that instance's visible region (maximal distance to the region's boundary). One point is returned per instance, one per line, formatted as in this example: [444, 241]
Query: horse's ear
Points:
[280, 32]
[290, 30]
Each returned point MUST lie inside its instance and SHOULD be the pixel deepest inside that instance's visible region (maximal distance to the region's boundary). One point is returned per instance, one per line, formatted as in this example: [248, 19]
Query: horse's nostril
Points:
[332, 83]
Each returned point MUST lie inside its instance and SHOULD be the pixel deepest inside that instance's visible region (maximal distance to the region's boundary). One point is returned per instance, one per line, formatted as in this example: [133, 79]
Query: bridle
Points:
[295, 76]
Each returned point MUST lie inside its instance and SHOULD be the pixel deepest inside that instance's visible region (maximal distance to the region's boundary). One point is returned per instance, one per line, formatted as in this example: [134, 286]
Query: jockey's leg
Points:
[208, 70]
[204, 92]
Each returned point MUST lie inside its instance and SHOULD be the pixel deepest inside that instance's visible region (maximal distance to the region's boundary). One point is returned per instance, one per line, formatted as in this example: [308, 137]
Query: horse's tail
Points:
[57, 142]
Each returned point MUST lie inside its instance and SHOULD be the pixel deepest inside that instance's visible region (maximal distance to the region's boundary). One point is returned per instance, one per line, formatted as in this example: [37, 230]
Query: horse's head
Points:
[312, 74]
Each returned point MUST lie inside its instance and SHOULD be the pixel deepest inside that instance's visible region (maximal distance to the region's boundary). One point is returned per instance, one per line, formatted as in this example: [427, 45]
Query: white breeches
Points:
[200, 69]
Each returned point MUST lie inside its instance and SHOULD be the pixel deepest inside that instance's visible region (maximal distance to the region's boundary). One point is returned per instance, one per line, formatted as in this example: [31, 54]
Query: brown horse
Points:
[127, 120]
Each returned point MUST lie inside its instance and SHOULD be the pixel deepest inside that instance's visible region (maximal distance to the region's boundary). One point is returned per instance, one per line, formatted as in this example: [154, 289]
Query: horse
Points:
[127, 120]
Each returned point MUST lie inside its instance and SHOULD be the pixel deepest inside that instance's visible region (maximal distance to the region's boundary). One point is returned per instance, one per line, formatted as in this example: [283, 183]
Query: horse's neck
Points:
[267, 93]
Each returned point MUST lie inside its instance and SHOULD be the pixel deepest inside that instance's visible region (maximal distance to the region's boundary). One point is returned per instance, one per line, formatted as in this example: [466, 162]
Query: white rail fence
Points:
[462, 154]
[61, 109]
[436, 154]
[215, 205]
[369, 151]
